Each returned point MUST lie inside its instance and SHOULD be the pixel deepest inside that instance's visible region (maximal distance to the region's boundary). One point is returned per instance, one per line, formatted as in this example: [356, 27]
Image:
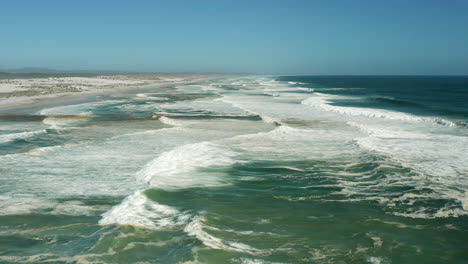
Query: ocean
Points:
[256, 169]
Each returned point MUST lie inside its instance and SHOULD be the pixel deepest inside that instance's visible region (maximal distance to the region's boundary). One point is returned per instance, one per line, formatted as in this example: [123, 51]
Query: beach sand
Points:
[20, 92]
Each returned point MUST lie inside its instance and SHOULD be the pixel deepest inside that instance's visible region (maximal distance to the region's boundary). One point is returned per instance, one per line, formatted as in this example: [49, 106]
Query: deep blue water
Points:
[445, 96]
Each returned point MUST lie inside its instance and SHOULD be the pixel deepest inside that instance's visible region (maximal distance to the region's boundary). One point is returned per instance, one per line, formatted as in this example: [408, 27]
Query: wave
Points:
[265, 118]
[195, 228]
[42, 150]
[142, 95]
[424, 151]
[393, 100]
[60, 123]
[198, 89]
[17, 136]
[247, 116]
[169, 121]
[270, 83]
[268, 119]
[339, 89]
[271, 94]
[322, 102]
[400, 190]
[150, 97]
[277, 91]
[73, 110]
[437, 170]
[38, 258]
[386, 133]
[175, 168]
[138, 210]
[310, 90]
[282, 132]
[61, 117]
[444, 122]
[147, 132]
[78, 109]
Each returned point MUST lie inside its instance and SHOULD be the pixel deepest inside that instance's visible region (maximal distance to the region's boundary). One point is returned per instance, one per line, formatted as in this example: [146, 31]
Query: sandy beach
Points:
[23, 90]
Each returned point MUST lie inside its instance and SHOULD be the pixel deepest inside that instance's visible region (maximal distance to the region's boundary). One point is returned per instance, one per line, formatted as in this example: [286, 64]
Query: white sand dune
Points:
[20, 92]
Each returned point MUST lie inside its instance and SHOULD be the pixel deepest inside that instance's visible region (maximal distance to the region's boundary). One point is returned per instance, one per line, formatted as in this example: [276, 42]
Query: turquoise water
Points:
[239, 170]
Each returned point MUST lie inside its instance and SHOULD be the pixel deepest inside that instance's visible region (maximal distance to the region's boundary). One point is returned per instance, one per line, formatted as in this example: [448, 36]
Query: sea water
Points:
[296, 169]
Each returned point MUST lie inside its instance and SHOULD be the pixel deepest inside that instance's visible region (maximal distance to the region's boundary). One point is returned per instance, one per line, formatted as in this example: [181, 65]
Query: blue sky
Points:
[282, 37]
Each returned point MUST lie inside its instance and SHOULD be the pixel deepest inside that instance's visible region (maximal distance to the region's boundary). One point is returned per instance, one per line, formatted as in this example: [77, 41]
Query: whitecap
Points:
[138, 210]
[22, 135]
[169, 121]
[175, 168]
[321, 101]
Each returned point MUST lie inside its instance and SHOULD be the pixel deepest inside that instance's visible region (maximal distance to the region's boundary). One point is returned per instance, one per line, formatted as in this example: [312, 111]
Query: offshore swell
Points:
[242, 170]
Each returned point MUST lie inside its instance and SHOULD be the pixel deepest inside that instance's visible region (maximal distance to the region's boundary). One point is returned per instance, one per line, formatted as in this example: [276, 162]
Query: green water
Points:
[239, 170]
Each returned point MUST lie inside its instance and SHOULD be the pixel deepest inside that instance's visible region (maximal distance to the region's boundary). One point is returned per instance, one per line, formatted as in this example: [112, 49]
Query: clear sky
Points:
[284, 37]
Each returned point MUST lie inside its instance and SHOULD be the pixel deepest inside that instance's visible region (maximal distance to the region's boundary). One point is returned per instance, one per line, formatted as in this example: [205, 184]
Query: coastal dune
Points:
[18, 90]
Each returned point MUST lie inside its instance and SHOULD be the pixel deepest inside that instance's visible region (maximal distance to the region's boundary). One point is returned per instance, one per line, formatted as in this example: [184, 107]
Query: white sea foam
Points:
[272, 94]
[387, 133]
[288, 143]
[425, 152]
[84, 109]
[138, 210]
[248, 232]
[195, 228]
[258, 261]
[285, 107]
[441, 170]
[23, 205]
[321, 101]
[148, 132]
[444, 122]
[42, 150]
[57, 117]
[306, 89]
[176, 168]
[170, 121]
[288, 91]
[79, 109]
[38, 258]
[269, 83]
[211, 89]
[189, 166]
[22, 135]
[29, 205]
[376, 260]
[265, 118]
[200, 107]
[149, 97]
[65, 123]
[282, 133]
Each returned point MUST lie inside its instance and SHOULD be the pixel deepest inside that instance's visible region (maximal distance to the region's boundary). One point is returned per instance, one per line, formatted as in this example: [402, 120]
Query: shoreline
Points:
[56, 89]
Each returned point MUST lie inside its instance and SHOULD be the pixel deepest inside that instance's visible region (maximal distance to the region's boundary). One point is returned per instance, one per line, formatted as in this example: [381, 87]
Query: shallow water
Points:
[240, 170]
